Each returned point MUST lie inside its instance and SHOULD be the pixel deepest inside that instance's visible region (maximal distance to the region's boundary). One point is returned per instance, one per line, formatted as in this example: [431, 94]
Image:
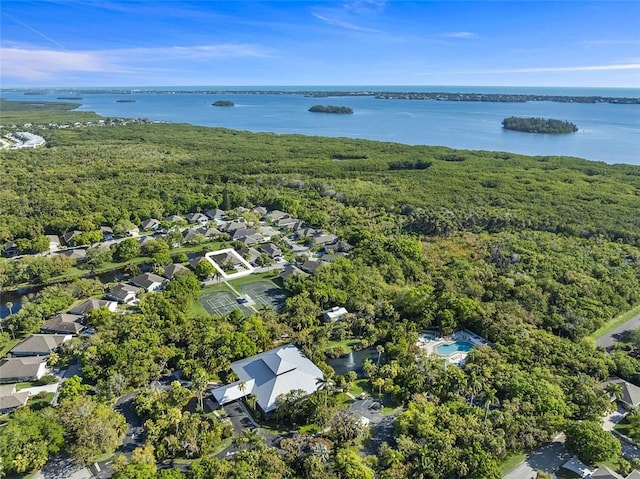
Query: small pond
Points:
[353, 361]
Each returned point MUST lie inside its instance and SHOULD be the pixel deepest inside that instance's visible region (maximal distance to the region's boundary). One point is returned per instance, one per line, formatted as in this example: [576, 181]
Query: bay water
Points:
[607, 132]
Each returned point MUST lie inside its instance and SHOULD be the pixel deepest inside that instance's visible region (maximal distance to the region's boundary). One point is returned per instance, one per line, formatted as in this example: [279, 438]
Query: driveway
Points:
[547, 458]
[381, 425]
[621, 332]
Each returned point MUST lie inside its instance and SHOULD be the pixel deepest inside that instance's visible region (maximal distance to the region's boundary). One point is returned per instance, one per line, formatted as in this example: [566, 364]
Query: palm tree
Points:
[380, 349]
[614, 390]
[242, 386]
[12, 327]
[9, 305]
[199, 383]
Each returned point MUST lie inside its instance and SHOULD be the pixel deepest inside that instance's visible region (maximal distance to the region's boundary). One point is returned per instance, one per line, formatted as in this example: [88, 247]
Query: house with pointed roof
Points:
[271, 250]
[11, 399]
[124, 293]
[197, 218]
[13, 370]
[337, 313]
[175, 219]
[215, 214]
[39, 345]
[149, 281]
[635, 474]
[275, 215]
[630, 393]
[603, 472]
[63, 323]
[242, 233]
[107, 233]
[77, 254]
[150, 224]
[172, 270]
[290, 270]
[69, 235]
[269, 375]
[91, 304]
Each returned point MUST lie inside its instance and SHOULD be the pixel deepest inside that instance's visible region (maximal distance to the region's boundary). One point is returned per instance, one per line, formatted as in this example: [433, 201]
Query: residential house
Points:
[260, 211]
[208, 232]
[91, 304]
[635, 474]
[196, 261]
[11, 399]
[330, 258]
[190, 236]
[149, 281]
[107, 233]
[54, 242]
[305, 232]
[13, 370]
[268, 233]
[252, 239]
[337, 313]
[324, 239]
[172, 270]
[269, 375]
[77, 254]
[39, 345]
[175, 219]
[242, 233]
[150, 224]
[10, 249]
[289, 223]
[63, 323]
[603, 472]
[69, 235]
[250, 254]
[197, 218]
[310, 266]
[216, 214]
[290, 270]
[144, 240]
[271, 250]
[630, 393]
[123, 293]
[226, 257]
[234, 225]
[275, 216]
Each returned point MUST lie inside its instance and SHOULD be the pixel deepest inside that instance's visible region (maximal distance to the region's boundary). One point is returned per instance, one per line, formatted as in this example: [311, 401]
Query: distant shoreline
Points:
[380, 94]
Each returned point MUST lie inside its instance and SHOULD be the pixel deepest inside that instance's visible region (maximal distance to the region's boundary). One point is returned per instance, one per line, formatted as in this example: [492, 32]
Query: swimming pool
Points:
[455, 347]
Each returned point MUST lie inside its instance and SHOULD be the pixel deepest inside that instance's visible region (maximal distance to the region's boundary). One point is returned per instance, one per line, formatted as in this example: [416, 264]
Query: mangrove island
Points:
[342, 110]
[224, 103]
[538, 125]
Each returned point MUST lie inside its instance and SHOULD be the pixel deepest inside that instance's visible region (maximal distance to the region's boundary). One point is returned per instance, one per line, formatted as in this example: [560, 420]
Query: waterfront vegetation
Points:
[538, 125]
[532, 253]
[223, 103]
[341, 110]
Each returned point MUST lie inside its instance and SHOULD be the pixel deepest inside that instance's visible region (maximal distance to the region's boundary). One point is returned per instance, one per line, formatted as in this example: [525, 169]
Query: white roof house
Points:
[334, 314]
[270, 374]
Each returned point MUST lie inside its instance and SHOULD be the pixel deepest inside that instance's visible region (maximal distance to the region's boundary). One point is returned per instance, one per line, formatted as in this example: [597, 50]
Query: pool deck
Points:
[431, 345]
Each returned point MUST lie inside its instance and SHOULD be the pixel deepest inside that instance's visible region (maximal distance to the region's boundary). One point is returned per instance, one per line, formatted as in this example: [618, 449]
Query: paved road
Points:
[621, 332]
[548, 458]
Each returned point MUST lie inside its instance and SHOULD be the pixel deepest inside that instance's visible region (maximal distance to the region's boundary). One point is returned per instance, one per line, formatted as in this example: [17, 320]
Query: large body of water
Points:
[607, 132]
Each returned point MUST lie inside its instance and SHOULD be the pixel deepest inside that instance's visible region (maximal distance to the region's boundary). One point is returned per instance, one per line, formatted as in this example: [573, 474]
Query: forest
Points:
[342, 110]
[538, 125]
[532, 253]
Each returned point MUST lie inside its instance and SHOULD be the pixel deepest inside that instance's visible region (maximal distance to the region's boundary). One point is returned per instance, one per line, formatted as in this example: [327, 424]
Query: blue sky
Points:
[361, 42]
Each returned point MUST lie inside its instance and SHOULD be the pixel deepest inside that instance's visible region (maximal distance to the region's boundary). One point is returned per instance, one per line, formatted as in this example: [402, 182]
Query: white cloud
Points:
[460, 35]
[29, 63]
[34, 64]
[336, 22]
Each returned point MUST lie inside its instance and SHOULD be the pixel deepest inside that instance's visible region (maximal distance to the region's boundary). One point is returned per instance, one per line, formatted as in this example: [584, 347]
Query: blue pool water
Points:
[456, 347]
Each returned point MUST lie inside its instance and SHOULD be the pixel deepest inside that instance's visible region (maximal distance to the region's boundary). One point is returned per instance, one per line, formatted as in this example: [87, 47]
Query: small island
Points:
[125, 101]
[69, 98]
[223, 103]
[341, 110]
[538, 125]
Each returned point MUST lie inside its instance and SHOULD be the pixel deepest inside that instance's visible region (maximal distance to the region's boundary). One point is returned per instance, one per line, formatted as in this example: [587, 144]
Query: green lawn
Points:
[26, 385]
[8, 346]
[614, 323]
[267, 276]
[511, 462]
[346, 345]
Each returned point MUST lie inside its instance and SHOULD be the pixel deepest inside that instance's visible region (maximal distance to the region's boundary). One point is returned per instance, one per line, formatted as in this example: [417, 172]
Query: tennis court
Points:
[221, 303]
[265, 293]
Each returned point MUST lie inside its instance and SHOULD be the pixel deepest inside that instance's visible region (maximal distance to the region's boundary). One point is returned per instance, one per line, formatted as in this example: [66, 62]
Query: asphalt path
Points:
[548, 458]
[621, 332]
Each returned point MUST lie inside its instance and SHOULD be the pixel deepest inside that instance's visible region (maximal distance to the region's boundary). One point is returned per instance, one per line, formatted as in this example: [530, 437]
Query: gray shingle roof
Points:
[18, 368]
[64, 323]
[39, 344]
